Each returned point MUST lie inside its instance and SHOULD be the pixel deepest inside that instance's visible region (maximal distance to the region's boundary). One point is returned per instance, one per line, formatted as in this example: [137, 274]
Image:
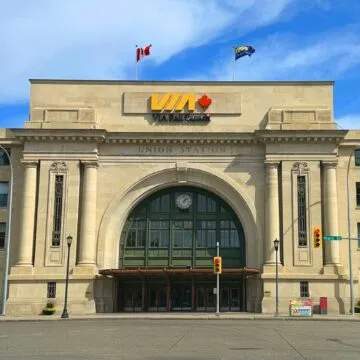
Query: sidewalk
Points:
[181, 316]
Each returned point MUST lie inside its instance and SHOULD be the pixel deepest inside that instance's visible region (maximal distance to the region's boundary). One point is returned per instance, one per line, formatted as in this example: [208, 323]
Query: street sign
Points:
[332, 237]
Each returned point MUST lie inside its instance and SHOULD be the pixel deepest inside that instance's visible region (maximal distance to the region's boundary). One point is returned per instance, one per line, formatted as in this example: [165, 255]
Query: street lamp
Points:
[65, 314]
[276, 246]
[349, 235]
[7, 238]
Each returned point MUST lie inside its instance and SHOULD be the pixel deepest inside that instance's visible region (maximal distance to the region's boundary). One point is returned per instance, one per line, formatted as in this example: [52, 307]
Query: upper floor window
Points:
[358, 194]
[4, 159]
[58, 205]
[358, 235]
[4, 192]
[357, 157]
[2, 234]
[301, 194]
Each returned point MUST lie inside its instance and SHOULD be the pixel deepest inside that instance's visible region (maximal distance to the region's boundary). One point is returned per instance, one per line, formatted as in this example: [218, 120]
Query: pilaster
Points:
[27, 223]
[272, 214]
[87, 248]
[331, 221]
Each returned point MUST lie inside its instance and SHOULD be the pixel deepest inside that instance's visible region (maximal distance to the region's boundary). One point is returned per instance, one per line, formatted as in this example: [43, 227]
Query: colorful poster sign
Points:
[302, 307]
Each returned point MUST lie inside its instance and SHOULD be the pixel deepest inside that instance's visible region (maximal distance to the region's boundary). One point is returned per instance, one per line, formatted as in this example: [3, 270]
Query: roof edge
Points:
[174, 82]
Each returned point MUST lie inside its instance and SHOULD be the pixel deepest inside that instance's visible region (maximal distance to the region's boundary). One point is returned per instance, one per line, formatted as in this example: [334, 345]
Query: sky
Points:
[191, 40]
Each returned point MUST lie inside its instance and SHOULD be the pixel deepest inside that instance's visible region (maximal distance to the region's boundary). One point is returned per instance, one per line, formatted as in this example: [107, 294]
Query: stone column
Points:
[27, 222]
[87, 248]
[272, 214]
[331, 225]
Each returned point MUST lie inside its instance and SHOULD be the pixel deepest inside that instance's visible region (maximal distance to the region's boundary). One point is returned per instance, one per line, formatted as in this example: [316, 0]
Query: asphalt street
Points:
[178, 339]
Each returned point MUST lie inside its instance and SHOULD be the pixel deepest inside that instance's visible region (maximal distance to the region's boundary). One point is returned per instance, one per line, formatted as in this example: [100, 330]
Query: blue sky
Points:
[192, 40]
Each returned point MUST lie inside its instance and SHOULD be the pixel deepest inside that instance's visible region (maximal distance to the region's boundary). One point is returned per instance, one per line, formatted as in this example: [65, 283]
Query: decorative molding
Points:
[329, 163]
[181, 172]
[272, 163]
[301, 167]
[90, 164]
[59, 166]
[29, 164]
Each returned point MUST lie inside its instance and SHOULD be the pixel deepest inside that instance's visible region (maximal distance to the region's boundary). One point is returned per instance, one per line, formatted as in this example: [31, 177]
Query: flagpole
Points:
[136, 63]
[233, 57]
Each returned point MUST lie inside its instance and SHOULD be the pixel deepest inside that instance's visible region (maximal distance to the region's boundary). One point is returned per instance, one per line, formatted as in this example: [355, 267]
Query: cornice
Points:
[59, 135]
[181, 138]
[182, 83]
[219, 138]
[300, 136]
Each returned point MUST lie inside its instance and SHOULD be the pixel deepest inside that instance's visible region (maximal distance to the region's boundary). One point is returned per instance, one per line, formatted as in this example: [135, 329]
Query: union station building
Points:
[148, 176]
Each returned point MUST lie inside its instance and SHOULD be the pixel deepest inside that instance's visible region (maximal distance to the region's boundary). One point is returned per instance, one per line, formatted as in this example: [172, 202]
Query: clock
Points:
[183, 201]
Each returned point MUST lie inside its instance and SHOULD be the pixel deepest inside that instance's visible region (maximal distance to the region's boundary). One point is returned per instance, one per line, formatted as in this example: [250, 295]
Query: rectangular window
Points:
[136, 235]
[357, 157]
[4, 159]
[58, 201]
[358, 235]
[229, 237]
[161, 204]
[159, 234]
[301, 197]
[304, 289]
[183, 233]
[2, 234]
[206, 233]
[4, 192]
[205, 204]
[358, 194]
[51, 290]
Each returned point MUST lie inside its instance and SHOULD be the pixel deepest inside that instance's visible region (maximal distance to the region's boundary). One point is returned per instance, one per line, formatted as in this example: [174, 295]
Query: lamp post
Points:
[65, 314]
[276, 246]
[7, 238]
[349, 234]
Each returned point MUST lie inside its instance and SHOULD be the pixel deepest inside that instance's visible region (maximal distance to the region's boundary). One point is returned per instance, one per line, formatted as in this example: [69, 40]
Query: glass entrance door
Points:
[157, 298]
[205, 299]
[181, 297]
[230, 299]
[133, 298]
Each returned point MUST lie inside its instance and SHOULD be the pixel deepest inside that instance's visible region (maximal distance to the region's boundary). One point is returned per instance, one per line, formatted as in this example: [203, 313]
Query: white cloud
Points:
[351, 121]
[292, 57]
[93, 39]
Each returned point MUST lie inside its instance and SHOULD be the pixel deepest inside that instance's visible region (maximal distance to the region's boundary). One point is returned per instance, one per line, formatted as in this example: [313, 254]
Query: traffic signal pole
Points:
[217, 283]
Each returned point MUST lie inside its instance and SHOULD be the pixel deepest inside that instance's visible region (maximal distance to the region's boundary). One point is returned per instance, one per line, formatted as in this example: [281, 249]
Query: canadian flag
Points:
[141, 52]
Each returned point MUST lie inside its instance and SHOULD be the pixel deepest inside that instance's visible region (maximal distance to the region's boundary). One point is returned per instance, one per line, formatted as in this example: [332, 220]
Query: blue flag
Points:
[243, 50]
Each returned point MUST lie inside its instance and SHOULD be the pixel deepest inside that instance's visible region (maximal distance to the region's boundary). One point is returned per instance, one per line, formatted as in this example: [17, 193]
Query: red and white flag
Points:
[142, 52]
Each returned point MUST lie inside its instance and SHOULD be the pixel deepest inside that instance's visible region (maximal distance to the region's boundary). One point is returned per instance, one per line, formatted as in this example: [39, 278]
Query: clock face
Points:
[183, 201]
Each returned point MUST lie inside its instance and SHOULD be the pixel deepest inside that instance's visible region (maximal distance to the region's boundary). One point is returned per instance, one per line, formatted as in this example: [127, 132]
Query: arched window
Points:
[180, 226]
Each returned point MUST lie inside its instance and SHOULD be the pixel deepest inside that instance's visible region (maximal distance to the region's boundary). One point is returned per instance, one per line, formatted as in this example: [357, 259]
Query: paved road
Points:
[179, 340]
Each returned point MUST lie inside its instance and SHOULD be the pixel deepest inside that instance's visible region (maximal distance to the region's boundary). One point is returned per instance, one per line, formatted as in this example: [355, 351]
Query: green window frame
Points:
[206, 233]
[4, 159]
[136, 234]
[163, 230]
[183, 233]
[357, 157]
[2, 234]
[159, 234]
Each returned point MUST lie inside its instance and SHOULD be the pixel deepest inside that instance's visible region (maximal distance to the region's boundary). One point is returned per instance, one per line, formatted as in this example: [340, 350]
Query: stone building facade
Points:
[148, 176]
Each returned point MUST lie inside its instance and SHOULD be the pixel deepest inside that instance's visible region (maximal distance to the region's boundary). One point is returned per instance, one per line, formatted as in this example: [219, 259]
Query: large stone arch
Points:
[202, 176]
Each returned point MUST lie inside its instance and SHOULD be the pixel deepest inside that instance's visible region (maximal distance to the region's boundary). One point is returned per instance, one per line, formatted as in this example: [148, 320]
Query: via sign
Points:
[171, 107]
[178, 102]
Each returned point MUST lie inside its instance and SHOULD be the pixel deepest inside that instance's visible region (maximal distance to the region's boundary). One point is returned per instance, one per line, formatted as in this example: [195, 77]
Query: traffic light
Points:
[217, 265]
[317, 237]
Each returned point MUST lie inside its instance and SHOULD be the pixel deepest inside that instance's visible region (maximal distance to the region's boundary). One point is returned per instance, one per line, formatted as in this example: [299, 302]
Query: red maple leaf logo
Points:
[204, 101]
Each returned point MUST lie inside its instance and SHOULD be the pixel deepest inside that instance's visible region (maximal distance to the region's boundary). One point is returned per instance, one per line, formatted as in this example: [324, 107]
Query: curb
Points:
[175, 317]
